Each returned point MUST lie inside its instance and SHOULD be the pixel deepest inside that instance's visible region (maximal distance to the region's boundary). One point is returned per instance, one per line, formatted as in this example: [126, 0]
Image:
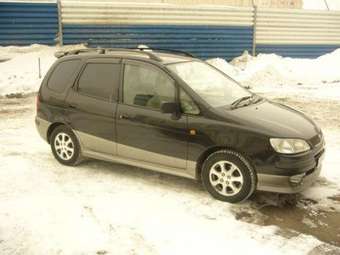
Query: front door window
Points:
[147, 87]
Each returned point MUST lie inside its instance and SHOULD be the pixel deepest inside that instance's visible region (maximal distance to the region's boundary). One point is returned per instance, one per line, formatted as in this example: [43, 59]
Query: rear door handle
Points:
[73, 106]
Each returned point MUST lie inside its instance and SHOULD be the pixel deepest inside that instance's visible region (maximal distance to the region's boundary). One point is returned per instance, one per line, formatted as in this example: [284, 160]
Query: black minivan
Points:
[173, 113]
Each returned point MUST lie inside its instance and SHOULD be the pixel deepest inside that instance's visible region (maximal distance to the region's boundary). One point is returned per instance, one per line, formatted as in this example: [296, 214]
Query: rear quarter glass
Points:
[61, 75]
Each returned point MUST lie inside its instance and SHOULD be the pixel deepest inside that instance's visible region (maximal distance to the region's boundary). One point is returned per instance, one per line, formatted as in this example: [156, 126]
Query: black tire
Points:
[72, 159]
[232, 160]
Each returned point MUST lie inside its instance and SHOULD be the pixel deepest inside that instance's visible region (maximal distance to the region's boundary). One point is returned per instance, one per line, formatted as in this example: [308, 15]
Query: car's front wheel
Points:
[228, 176]
[65, 146]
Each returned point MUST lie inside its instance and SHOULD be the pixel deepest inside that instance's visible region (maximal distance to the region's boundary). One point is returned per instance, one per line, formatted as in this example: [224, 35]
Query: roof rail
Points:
[184, 53]
[60, 54]
[143, 50]
[137, 50]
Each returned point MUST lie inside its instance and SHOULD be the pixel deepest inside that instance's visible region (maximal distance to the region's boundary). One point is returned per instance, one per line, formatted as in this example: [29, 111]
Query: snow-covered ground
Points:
[104, 208]
[19, 67]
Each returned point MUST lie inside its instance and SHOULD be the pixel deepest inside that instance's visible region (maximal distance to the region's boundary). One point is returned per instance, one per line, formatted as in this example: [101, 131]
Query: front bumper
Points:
[292, 183]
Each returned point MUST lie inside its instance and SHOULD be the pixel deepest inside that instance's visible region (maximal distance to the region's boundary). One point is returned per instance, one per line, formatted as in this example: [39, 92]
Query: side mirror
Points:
[170, 107]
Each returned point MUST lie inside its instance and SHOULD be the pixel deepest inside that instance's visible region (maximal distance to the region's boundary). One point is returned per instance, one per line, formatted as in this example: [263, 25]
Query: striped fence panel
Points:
[28, 22]
[209, 31]
[205, 31]
[297, 33]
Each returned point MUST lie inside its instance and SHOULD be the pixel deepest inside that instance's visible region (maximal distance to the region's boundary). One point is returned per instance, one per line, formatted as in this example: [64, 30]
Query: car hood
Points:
[273, 119]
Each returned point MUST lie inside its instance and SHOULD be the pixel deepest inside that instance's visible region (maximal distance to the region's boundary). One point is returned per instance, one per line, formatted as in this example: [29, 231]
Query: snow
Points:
[224, 66]
[271, 69]
[271, 73]
[20, 67]
[105, 208]
[47, 208]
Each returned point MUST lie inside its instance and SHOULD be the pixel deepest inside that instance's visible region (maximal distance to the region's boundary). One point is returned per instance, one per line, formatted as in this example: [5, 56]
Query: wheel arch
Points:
[52, 127]
[211, 150]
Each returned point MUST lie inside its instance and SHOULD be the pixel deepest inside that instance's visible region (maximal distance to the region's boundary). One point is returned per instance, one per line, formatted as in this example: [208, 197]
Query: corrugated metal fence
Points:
[206, 31]
[24, 22]
[297, 33]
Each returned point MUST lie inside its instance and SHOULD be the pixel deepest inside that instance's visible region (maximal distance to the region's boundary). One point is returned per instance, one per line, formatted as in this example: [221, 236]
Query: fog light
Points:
[296, 180]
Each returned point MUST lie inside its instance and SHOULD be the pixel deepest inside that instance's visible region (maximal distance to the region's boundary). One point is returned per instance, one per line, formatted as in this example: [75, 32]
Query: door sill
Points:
[138, 163]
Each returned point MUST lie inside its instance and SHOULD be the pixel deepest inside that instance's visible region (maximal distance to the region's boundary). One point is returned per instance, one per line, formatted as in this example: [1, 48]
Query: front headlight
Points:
[289, 146]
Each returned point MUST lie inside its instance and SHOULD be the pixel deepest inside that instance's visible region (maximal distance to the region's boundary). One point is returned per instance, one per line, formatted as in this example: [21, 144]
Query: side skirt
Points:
[187, 173]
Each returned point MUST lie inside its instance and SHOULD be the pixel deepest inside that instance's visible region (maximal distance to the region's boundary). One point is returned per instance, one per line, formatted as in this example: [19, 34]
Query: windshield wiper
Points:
[257, 99]
[237, 102]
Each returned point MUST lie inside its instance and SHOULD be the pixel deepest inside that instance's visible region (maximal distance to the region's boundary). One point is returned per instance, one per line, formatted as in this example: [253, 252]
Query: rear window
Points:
[61, 75]
[99, 79]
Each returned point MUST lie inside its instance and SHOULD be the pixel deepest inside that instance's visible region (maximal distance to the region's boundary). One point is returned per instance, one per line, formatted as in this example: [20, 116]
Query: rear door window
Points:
[99, 79]
[62, 74]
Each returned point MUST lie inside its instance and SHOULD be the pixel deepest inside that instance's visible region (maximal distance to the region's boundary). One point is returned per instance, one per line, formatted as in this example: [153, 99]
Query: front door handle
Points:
[124, 117]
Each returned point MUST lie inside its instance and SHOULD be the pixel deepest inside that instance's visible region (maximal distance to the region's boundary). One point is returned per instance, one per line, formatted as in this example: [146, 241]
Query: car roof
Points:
[145, 54]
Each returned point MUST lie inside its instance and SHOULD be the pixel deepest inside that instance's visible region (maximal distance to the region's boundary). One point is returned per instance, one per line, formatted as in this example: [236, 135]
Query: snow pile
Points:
[20, 69]
[20, 72]
[271, 69]
[225, 67]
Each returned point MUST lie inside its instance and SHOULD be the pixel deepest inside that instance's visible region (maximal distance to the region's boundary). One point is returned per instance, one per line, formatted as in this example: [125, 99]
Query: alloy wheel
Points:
[64, 146]
[226, 178]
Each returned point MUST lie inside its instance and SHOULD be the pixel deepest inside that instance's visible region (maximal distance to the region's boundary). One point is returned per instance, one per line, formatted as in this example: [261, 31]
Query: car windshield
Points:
[210, 84]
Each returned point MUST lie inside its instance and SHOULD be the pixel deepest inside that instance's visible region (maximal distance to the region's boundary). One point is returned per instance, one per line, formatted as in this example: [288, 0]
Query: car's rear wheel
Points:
[65, 146]
[228, 176]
